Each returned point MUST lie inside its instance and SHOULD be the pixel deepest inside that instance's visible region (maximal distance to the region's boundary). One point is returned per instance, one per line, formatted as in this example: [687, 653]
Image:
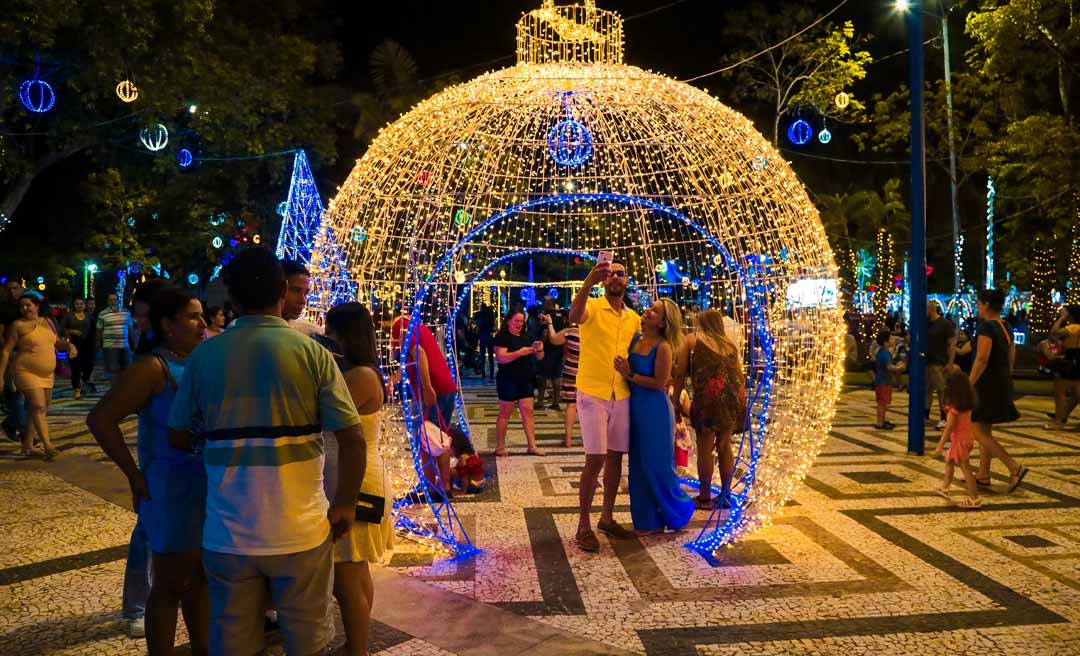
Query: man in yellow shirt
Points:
[607, 326]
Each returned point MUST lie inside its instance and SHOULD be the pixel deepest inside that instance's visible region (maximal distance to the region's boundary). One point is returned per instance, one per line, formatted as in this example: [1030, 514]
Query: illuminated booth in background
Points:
[572, 151]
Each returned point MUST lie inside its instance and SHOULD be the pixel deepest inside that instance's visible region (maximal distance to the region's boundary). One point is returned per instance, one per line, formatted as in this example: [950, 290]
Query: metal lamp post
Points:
[917, 300]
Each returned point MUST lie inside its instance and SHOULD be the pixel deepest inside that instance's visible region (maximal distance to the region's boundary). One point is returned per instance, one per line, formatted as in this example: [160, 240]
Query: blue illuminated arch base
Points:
[716, 531]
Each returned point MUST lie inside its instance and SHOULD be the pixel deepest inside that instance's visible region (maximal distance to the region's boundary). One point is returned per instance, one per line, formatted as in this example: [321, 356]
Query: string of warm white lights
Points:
[572, 150]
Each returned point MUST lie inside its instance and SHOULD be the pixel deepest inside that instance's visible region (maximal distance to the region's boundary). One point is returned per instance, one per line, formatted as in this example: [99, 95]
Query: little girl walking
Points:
[960, 401]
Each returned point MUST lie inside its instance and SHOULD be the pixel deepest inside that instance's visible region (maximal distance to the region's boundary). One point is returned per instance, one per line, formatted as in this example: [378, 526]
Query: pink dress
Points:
[962, 439]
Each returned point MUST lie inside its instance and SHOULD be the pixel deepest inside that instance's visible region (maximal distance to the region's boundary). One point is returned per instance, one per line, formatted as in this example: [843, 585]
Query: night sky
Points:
[468, 37]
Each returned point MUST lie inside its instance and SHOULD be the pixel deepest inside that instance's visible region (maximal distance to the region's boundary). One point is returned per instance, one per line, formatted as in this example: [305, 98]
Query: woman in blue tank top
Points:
[168, 486]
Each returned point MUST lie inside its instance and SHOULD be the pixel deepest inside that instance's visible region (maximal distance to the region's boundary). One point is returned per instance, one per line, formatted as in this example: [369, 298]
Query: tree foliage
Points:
[806, 72]
[252, 71]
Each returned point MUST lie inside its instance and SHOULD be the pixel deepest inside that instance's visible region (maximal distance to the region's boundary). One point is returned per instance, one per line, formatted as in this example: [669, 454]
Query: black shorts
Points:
[510, 389]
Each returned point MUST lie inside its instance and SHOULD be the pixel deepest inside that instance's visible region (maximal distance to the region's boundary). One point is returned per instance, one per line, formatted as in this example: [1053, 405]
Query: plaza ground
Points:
[866, 559]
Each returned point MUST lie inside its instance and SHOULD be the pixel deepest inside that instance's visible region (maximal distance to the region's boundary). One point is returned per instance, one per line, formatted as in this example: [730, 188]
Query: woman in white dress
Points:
[351, 328]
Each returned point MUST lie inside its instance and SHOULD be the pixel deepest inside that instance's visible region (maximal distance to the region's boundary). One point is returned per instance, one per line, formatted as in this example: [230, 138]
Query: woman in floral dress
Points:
[718, 410]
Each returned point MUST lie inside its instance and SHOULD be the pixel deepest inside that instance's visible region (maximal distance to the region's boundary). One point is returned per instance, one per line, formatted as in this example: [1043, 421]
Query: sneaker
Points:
[889, 425]
[136, 628]
[614, 530]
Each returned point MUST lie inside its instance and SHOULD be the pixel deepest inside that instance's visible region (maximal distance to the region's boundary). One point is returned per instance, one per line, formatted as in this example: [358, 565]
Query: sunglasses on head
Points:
[618, 274]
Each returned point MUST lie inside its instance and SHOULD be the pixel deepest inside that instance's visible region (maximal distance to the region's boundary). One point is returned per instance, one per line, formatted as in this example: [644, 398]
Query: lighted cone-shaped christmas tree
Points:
[303, 214]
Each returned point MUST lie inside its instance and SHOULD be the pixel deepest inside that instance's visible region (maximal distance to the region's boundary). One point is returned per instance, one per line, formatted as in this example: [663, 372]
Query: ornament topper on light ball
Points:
[572, 150]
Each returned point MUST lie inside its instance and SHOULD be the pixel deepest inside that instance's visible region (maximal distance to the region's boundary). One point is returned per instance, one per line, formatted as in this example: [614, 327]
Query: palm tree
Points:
[397, 87]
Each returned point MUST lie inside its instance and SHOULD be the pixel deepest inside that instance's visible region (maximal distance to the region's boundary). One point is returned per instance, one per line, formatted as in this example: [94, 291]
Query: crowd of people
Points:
[257, 478]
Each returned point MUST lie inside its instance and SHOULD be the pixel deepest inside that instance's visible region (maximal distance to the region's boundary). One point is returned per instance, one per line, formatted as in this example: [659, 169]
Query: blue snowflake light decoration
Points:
[570, 143]
[800, 132]
[37, 95]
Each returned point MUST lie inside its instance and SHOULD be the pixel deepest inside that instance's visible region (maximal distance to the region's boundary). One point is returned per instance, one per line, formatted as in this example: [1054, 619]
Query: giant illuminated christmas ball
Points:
[573, 151]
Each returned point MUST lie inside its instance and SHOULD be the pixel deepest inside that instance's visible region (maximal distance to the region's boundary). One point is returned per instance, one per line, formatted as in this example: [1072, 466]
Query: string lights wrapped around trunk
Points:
[573, 151]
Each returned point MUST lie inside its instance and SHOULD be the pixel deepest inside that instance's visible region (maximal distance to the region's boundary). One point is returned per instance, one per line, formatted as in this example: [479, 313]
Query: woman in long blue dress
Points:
[656, 500]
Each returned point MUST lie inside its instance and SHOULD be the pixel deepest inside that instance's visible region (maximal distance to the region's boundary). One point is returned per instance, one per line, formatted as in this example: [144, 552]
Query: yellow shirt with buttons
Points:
[605, 334]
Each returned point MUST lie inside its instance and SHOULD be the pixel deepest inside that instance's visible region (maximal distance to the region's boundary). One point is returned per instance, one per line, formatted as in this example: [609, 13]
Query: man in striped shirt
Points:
[116, 335]
[260, 395]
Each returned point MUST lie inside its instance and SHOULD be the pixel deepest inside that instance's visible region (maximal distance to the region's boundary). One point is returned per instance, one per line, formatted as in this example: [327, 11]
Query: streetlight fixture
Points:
[902, 6]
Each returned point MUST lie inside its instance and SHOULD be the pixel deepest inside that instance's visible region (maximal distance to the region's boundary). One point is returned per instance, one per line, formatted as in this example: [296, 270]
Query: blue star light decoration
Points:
[570, 143]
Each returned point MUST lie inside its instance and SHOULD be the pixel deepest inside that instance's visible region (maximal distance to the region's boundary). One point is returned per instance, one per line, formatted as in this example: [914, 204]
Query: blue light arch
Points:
[760, 374]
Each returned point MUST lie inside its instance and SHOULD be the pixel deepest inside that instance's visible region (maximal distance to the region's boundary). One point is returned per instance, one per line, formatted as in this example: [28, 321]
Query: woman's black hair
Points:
[995, 298]
[210, 312]
[959, 393]
[1074, 313]
[33, 298]
[355, 330]
[166, 303]
[504, 329]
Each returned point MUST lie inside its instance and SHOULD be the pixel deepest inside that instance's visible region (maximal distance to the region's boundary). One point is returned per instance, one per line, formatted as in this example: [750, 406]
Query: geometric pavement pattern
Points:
[865, 559]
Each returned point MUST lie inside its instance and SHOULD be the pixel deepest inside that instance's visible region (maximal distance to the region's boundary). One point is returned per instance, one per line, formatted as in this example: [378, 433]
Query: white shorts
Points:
[605, 425]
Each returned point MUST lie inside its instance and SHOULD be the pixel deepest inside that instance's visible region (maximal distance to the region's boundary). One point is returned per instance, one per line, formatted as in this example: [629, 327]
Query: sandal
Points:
[501, 453]
[536, 452]
[970, 503]
[982, 482]
[31, 453]
[51, 454]
[1017, 478]
[943, 493]
[704, 503]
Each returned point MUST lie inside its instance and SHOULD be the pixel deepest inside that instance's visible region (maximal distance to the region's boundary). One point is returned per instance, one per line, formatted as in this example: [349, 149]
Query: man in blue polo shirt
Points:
[259, 396]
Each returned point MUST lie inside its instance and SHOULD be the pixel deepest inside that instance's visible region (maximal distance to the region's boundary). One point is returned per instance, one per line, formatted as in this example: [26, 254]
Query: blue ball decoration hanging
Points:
[217, 242]
[800, 132]
[131, 221]
[37, 95]
[184, 158]
[281, 207]
[359, 234]
[570, 143]
[154, 137]
[824, 136]
[193, 279]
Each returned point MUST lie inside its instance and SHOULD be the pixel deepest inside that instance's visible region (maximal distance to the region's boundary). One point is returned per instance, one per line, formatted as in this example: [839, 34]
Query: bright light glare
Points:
[194, 108]
[92, 268]
[902, 6]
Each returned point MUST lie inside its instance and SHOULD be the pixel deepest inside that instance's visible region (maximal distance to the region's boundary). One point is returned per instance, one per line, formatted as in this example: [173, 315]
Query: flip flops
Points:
[1017, 478]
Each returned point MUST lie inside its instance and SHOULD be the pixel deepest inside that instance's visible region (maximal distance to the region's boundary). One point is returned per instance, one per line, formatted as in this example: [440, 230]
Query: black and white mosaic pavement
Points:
[866, 559]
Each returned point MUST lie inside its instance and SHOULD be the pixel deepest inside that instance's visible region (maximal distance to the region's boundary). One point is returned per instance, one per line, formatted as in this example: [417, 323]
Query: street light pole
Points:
[917, 302]
[958, 246]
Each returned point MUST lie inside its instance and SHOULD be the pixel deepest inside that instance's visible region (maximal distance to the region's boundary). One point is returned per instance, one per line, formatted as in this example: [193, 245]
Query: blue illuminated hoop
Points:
[570, 143]
[184, 158]
[800, 132]
[37, 95]
[753, 278]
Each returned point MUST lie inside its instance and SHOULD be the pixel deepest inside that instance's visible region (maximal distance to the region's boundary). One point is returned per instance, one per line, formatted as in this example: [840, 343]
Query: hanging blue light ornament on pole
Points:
[800, 132]
[824, 136]
[184, 158]
[37, 95]
[154, 137]
[570, 142]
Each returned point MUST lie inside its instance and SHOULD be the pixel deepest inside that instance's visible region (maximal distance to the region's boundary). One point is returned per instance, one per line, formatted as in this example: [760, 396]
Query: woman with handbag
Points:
[991, 375]
[718, 409]
[352, 330]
